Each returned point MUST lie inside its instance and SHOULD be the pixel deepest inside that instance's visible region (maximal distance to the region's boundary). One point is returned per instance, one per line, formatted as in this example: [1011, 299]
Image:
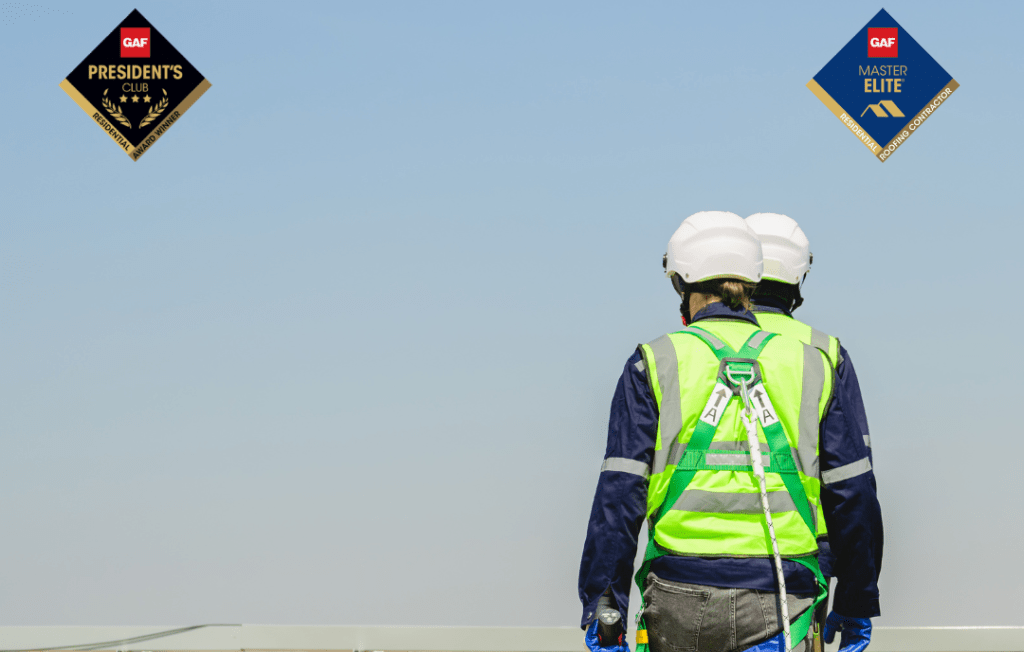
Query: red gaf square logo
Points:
[883, 41]
[135, 42]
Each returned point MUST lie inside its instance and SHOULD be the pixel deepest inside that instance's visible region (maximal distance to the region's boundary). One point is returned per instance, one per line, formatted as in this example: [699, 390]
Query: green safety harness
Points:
[732, 367]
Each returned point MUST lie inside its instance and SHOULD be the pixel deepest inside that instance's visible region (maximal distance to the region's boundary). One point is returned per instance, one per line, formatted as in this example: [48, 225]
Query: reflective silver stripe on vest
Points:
[625, 465]
[671, 415]
[731, 459]
[756, 340]
[675, 454]
[867, 440]
[742, 446]
[728, 446]
[847, 471]
[819, 340]
[640, 365]
[715, 342]
[717, 502]
[810, 397]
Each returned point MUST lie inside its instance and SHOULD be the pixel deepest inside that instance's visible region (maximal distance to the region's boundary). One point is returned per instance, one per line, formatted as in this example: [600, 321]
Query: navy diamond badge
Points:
[883, 85]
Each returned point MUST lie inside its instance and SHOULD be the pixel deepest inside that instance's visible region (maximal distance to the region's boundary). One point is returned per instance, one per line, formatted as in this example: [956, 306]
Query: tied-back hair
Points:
[732, 292]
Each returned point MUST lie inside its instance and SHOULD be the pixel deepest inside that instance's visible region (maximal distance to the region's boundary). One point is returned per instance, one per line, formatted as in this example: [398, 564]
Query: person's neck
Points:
[700, 300]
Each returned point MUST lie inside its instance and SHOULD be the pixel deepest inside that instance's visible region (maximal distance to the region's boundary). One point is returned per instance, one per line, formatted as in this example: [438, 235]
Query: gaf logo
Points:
[135, 42]
[883, 41]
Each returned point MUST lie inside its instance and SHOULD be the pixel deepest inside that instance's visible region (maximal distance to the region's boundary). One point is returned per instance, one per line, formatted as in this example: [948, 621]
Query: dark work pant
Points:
[696, 618]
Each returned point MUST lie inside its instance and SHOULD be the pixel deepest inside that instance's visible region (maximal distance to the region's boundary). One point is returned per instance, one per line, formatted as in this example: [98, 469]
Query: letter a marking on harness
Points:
[765, 410]
[717, 402]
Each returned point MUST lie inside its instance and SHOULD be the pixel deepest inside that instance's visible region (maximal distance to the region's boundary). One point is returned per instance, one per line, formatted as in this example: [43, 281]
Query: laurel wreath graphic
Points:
[155, 112]
[115, 111]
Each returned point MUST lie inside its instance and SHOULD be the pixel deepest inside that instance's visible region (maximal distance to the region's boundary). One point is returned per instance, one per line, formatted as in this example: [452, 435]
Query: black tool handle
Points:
[609, 628]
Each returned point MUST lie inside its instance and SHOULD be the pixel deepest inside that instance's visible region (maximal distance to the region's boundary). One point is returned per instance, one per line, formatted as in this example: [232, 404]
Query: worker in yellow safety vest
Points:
[718, 438]
[787, 261]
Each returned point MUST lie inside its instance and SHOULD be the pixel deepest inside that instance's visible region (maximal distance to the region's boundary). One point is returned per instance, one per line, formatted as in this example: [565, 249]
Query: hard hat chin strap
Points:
[684, 308]
[682, 288]
[799, 300]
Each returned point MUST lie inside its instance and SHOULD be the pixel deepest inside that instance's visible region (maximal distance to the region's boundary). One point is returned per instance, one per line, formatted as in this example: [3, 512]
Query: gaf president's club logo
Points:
[883, 85]
[135, 85]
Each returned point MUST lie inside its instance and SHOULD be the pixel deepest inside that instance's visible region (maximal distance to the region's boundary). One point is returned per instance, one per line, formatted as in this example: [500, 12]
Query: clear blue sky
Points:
[339, 349]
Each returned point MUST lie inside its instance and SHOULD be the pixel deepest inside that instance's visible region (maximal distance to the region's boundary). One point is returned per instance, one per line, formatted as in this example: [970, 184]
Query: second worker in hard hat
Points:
[688, 408]
[787, 261]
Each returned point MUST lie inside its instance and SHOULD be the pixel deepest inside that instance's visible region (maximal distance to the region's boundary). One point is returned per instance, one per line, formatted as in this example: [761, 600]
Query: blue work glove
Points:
[856, 632]
[595, 645]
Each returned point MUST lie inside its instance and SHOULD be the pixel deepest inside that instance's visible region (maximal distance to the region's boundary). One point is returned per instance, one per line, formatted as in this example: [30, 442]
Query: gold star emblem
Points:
[146, 99]
[123, 99]
[135, 98]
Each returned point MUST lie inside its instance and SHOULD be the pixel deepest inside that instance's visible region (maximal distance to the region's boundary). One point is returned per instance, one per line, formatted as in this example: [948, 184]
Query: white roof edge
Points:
[228, 638]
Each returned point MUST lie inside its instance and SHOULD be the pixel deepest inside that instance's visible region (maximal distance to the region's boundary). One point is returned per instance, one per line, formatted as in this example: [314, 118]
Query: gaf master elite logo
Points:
[135, 85]
[883, 85]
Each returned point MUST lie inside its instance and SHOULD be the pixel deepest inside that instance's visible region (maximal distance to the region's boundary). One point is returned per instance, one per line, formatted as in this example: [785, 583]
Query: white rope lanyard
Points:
[755, 458]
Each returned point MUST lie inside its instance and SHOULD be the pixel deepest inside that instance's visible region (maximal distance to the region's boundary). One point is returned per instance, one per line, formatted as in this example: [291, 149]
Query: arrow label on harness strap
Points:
[762, 406]
[717, 402]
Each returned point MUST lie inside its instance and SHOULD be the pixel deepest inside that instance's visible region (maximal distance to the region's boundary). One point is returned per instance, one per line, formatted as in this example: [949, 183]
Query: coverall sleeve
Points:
[620, 502]
[857, 417]
[849, 499]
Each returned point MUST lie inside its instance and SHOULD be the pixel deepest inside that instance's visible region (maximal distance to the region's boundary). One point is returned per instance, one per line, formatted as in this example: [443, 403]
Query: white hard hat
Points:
[787, 252]
[714, 244]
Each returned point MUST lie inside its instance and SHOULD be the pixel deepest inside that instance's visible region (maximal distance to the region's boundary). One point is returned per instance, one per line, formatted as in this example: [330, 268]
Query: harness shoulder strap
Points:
[704, 432]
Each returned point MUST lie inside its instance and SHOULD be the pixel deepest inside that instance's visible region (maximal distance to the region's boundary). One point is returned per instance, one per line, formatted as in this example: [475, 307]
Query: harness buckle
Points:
[740, 374]
[745, 375]
[736, 371]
